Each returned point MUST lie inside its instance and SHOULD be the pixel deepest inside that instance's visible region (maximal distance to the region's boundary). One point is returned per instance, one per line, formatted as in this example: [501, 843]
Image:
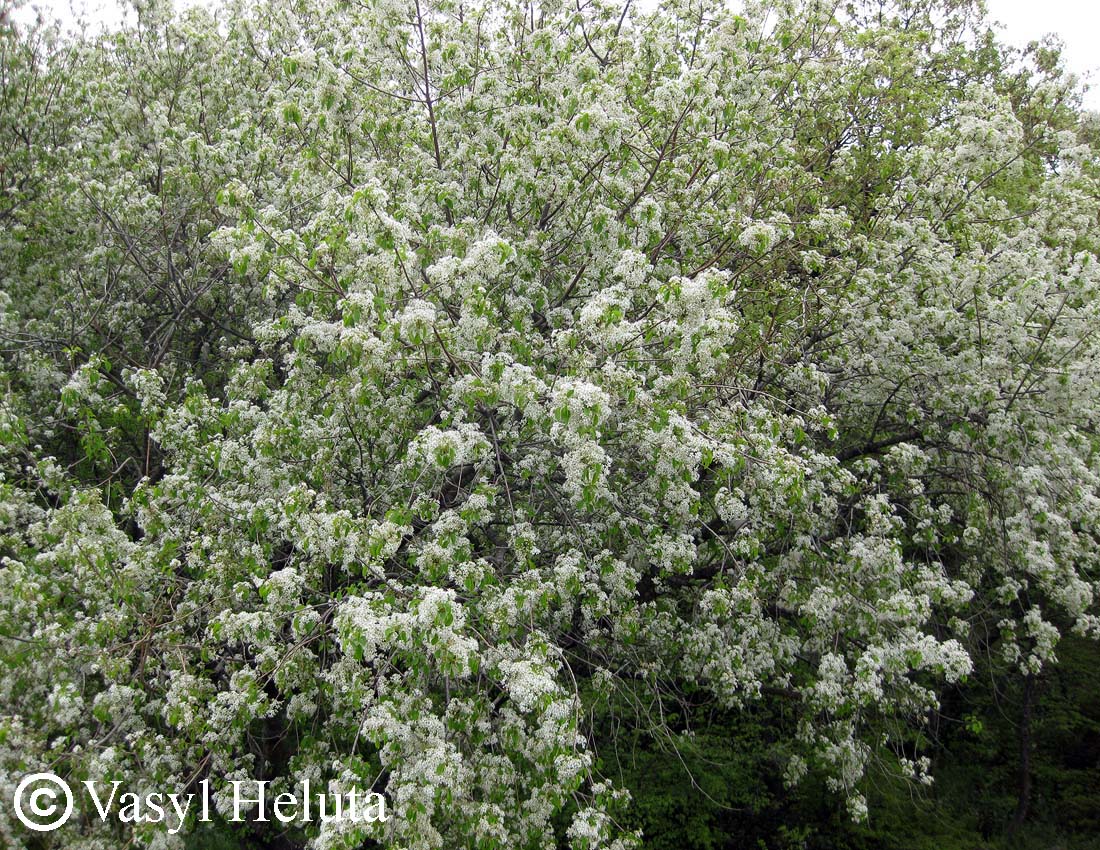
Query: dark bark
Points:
[1023, 776]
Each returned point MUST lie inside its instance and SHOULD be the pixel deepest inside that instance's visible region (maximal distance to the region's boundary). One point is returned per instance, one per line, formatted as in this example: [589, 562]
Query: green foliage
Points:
[720, 788]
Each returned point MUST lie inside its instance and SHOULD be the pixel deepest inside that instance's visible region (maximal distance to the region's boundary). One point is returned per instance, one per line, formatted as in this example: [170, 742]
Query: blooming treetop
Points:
[391, 388]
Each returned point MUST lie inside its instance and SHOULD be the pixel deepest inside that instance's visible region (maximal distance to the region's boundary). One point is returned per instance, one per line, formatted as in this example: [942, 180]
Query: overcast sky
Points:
[1077, 22]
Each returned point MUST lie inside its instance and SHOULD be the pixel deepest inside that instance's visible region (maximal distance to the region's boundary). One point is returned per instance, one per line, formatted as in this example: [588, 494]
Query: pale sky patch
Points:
[1076, 22]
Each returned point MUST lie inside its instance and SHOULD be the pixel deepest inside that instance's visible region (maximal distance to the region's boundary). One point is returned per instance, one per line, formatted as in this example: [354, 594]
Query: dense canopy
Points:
[429, 396]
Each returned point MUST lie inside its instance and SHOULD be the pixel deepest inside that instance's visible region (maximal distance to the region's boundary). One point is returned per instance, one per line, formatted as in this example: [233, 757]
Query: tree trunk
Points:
[1023, 780]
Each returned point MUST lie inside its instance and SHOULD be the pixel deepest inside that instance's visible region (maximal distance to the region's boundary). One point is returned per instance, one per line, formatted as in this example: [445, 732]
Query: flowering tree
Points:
[395, 391]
